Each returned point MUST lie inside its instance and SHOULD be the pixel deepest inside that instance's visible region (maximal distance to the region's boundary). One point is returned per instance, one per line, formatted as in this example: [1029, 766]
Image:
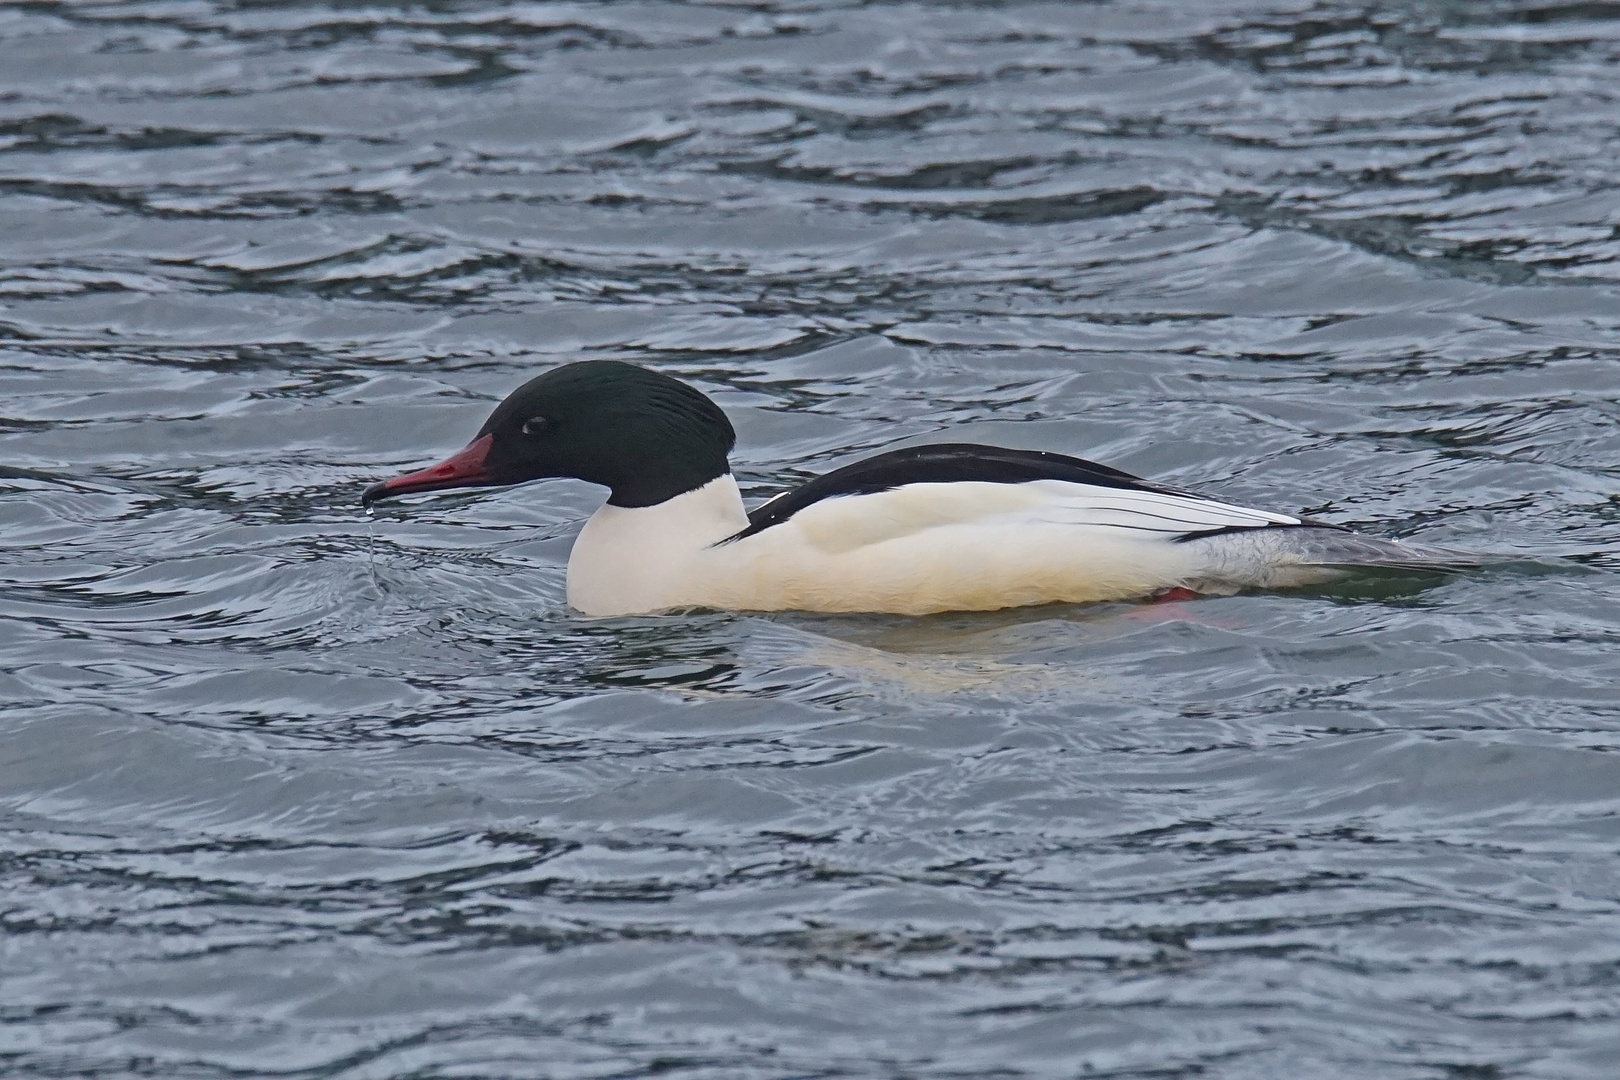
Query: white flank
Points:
[916, 549]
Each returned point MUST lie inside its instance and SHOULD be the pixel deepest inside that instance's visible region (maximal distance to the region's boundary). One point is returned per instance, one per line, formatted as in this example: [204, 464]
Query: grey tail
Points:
[1282, 556]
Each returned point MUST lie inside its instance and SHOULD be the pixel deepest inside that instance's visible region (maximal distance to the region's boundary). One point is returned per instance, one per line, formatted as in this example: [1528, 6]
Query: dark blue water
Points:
[289, 793]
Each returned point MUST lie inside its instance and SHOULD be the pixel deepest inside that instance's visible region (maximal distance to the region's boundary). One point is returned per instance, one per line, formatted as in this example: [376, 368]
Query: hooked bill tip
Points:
[465, 468]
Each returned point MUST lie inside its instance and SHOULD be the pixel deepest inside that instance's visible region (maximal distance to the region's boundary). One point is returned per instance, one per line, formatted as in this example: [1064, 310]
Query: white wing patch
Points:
[1146, 511]
[847, 522]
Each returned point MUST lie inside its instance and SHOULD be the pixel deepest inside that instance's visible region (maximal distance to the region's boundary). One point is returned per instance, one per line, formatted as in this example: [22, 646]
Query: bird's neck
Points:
[631, 558]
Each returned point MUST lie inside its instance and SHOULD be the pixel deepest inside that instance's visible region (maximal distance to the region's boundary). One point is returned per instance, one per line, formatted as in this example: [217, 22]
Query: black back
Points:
[943, 463]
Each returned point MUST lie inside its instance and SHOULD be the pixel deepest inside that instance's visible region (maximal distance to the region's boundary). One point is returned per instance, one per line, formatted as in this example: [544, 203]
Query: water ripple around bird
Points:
[292, 792]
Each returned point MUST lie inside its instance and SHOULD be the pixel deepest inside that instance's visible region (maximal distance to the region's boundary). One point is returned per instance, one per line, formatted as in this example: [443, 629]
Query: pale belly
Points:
[952, 568]
[901, 552]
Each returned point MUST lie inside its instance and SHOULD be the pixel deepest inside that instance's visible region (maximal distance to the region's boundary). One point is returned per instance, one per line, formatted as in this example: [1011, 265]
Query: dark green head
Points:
[644, 435]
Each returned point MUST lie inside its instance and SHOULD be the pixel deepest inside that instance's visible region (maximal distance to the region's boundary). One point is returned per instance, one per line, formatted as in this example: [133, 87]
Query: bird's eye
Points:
[535, 425]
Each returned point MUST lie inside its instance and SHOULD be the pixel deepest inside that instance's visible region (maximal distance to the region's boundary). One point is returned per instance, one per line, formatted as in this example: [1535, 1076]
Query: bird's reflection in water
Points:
[1019, 653]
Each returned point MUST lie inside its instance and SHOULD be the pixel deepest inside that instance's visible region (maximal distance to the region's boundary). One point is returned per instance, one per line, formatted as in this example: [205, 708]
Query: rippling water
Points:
[287, 792]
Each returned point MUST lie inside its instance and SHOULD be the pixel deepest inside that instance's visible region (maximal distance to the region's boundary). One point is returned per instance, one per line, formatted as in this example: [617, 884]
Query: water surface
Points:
[287, 792]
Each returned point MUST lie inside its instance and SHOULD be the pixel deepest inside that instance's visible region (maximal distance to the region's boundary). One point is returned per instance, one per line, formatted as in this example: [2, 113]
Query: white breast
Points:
[638, 559]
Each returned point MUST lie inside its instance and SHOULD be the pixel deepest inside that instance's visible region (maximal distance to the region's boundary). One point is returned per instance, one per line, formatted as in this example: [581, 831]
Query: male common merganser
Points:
[941, 527]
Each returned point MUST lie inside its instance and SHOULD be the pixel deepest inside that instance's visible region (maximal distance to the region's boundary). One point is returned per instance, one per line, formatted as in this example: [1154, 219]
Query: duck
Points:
[913, 531]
